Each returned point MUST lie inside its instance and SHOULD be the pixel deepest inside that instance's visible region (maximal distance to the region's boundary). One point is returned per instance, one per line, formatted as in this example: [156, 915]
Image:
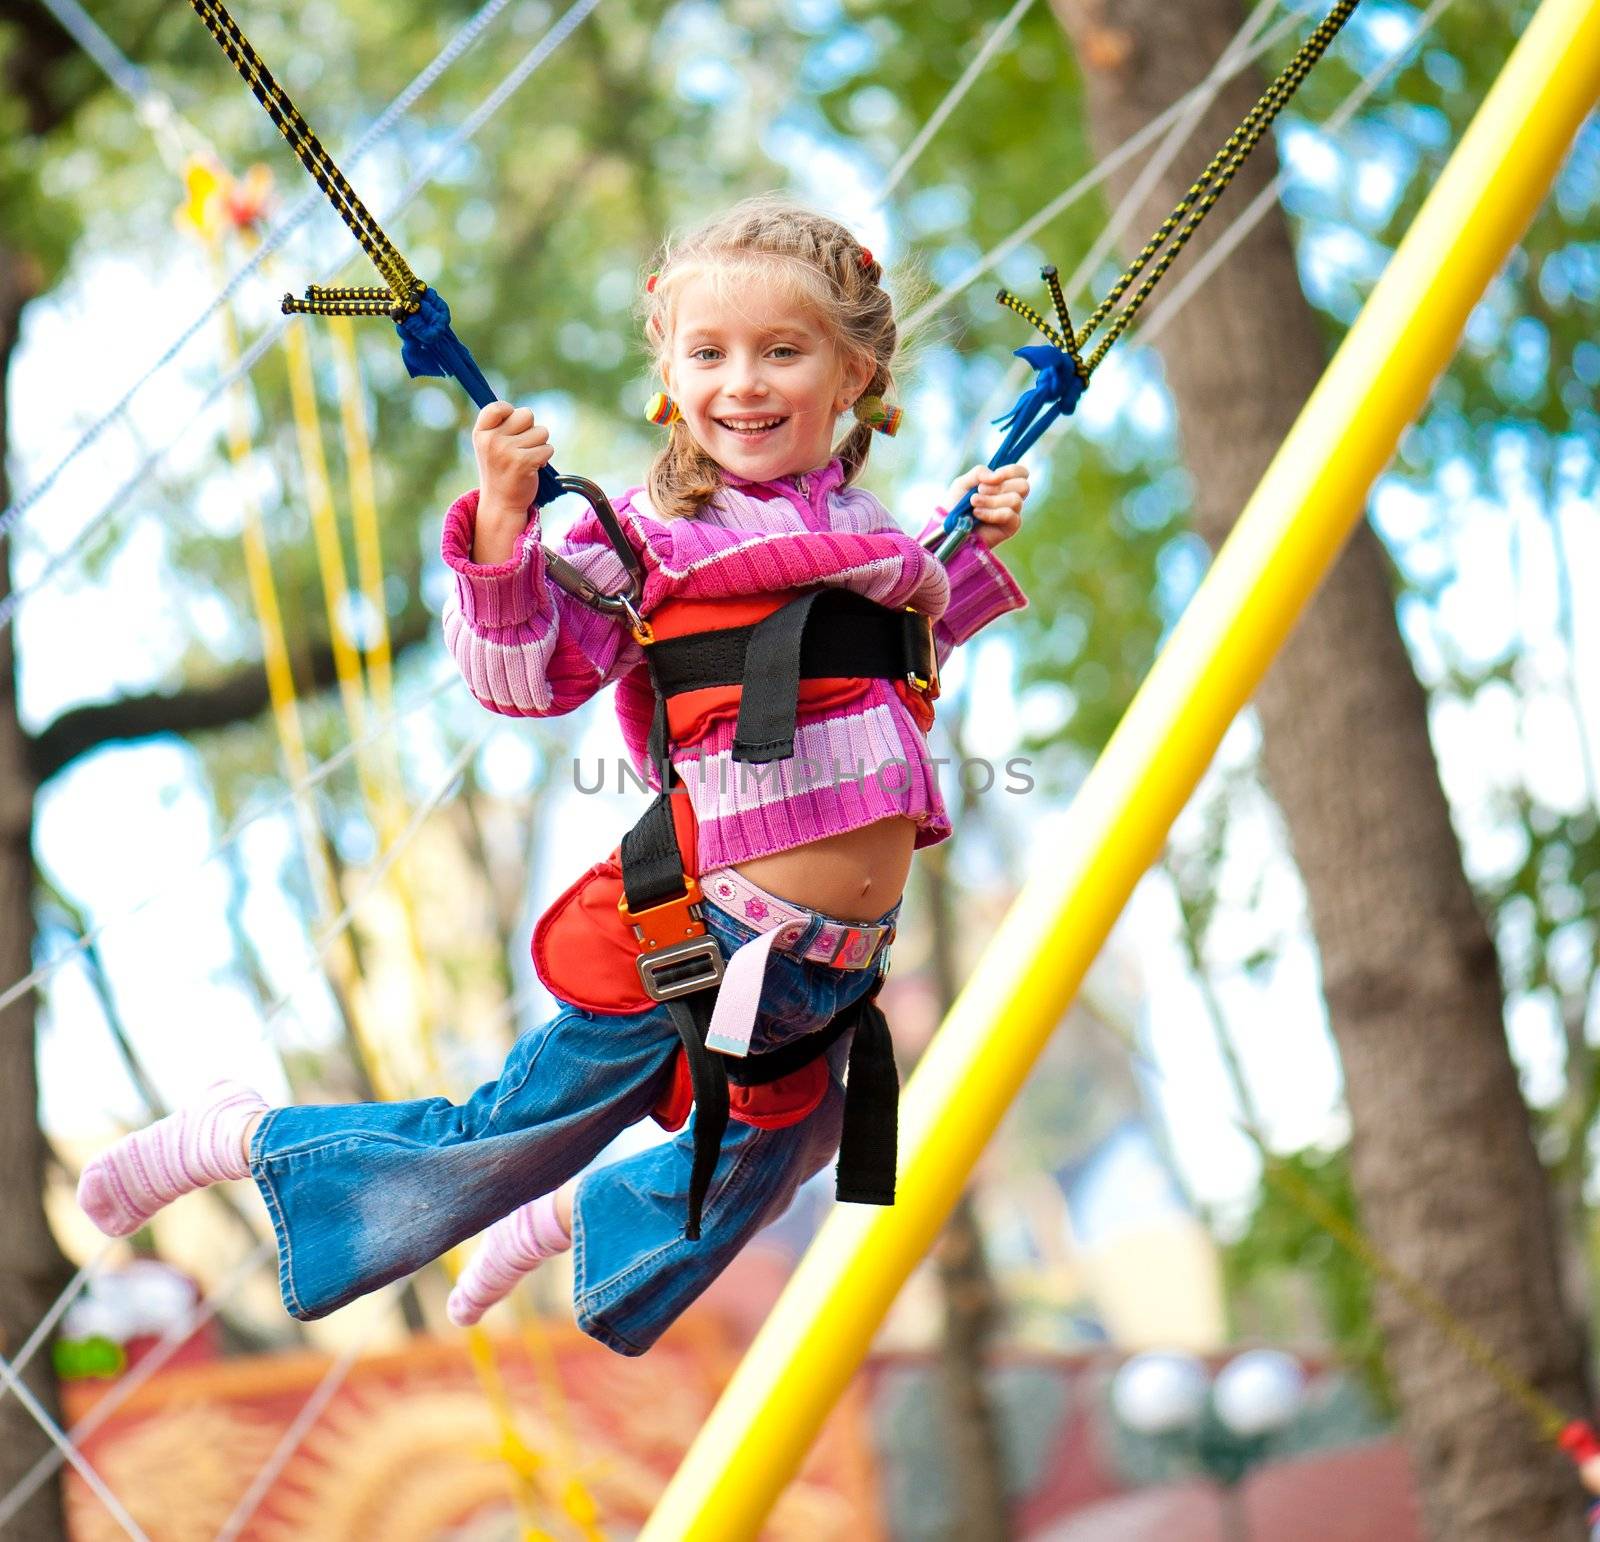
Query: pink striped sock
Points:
[514, 1246]
[201, 1143]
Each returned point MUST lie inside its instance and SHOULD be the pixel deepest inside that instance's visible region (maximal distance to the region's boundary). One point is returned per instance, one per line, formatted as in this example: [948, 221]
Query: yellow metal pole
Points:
[1285, 541]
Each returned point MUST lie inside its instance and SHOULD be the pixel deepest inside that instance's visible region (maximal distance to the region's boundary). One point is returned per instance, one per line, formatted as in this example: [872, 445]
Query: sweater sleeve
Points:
[981, 589]
[523, 644]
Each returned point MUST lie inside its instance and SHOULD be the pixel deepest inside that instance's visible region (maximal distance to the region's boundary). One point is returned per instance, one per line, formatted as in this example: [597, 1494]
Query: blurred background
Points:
[254, 825]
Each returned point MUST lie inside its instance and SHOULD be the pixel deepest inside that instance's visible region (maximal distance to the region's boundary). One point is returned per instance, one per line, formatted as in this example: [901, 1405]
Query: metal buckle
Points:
[674, 941]
[927, 684]
[700, 959]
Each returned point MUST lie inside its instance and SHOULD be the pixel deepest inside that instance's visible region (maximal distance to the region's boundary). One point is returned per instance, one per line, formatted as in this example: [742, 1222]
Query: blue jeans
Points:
[362, 1194]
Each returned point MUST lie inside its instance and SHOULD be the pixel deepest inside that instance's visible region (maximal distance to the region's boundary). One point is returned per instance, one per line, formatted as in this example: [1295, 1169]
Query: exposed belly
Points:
[856, 875]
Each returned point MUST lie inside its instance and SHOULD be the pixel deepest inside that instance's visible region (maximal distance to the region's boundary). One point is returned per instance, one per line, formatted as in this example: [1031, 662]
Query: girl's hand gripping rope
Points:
[997, 498]
[511, 450]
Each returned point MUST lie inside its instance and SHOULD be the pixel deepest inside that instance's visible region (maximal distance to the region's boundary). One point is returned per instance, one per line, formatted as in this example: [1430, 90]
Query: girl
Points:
[767, 326]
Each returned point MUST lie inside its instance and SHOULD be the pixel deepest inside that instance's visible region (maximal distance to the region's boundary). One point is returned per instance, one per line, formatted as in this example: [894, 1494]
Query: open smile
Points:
[751, 428]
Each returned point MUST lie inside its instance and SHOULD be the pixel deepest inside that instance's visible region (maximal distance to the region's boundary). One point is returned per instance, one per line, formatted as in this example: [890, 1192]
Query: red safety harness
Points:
[630, 932]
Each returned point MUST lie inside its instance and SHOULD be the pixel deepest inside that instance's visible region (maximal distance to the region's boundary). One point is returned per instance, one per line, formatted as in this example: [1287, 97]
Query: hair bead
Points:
[879, 415]
[662, 410]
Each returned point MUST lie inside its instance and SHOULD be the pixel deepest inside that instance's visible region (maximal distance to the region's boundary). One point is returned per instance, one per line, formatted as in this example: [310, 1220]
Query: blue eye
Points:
[699, 354]
[786, 348]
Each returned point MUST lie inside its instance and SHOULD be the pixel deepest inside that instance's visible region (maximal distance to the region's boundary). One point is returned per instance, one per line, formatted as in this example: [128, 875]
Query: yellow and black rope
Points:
[1175, 231]
[403, 291]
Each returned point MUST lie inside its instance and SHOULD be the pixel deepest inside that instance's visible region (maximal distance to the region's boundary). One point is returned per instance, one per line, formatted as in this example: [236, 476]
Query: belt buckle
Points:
[848, 938]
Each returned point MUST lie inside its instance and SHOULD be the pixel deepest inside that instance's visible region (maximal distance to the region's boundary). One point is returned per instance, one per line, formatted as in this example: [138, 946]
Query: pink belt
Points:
[778, 923]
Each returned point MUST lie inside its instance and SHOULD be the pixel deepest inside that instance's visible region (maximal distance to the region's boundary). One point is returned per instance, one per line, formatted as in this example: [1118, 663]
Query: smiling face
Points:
[759, 379]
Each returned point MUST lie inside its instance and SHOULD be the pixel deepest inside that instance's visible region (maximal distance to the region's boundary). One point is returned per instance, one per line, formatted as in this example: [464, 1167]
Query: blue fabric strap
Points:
[1054, 393]
[429, 347]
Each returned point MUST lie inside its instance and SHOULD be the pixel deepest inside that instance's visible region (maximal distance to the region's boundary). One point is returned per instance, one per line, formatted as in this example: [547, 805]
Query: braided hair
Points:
[770, 240]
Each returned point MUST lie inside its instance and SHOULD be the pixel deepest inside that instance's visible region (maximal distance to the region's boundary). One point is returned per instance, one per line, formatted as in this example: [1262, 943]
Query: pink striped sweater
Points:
[529, 649]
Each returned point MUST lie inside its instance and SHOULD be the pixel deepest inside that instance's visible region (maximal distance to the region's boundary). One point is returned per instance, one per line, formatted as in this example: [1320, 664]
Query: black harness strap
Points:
[868, 1146]
[822, 633]
[652, 865]
[766, 727]
[691, 1016]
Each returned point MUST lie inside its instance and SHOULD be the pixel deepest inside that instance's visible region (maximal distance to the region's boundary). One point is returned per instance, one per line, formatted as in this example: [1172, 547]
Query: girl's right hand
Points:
[510, 449]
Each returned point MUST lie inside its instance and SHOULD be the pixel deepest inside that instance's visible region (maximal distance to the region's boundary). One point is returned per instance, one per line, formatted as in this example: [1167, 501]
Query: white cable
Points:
[296, 216]
[147, 1367]
[70, 1452]
[85, 31]
[952, 99]
[318, 774]
[1092, 178]
[171, 1341]
[289, 1442]
[58, 1307]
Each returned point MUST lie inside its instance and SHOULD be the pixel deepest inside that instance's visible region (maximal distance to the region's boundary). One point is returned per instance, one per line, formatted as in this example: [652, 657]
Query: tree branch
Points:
[235, 698]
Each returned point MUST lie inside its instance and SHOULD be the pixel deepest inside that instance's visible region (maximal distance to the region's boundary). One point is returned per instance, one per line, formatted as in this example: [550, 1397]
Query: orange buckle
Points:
[677, 955]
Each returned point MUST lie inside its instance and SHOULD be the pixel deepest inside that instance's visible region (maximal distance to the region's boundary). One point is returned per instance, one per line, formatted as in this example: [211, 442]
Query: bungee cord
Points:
[1175, 231]
[1095, 175]
[112, 507]
[1172, 145]
[1252, 214]
[1179, 121]
[1061, 370]
[1242, 223]
[128, 78]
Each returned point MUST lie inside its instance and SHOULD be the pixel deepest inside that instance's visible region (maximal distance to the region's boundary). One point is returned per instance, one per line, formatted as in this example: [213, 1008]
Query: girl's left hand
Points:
[997, 502]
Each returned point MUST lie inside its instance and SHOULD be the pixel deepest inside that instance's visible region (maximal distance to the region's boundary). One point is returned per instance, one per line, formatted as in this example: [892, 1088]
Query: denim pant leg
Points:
[362, 1194]
[634, 1271]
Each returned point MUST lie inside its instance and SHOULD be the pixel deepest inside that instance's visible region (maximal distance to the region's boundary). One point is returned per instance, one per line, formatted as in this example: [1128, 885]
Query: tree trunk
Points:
[1448, 1180]
[32, 1269]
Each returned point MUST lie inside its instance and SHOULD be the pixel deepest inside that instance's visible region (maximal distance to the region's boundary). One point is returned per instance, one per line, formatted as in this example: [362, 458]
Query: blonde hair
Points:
[814, 261]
